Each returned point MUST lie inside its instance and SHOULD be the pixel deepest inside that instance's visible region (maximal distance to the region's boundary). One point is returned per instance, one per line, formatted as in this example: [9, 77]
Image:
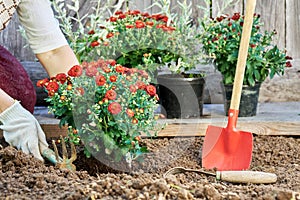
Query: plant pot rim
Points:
[180, 76]
[231, 85]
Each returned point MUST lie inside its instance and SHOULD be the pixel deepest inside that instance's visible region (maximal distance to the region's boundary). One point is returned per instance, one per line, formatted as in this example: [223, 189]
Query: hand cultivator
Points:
[255, 177]
[64, 162]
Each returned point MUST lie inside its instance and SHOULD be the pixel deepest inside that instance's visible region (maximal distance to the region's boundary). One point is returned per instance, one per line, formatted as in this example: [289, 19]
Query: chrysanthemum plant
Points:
[221, 42]
[106, 106]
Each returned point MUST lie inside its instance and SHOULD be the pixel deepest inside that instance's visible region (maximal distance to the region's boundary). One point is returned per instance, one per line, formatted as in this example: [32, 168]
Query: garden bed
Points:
[22, 177]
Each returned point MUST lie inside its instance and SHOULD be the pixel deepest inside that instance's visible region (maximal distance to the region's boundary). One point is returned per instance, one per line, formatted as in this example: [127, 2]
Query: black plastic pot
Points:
[249, 99]
[181, 97]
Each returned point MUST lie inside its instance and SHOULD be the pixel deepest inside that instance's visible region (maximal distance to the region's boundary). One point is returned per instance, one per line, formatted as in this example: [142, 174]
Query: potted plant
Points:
[181, 86]
[221, 42]
[132, 38]
[181, 93]
[106, 107]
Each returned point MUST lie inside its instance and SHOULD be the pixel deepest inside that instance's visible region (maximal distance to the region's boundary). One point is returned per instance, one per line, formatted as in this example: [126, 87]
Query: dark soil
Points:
[23, 177]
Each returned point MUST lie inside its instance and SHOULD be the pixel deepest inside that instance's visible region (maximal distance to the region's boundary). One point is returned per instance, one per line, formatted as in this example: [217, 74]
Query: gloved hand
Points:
[22, 130]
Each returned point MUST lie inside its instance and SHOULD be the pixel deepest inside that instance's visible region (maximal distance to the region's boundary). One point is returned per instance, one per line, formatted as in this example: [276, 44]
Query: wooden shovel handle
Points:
[246, 177]
[242, 57]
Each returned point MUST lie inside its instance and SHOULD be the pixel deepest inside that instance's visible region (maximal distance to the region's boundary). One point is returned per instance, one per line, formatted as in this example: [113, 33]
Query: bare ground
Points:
[23, 177]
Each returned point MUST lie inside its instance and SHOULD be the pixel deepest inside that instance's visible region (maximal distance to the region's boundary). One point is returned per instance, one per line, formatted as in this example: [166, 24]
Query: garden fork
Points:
[64, 162]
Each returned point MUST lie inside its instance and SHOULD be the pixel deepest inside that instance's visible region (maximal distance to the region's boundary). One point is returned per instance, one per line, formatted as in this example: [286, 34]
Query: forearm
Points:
[59, 60]
[5, 101]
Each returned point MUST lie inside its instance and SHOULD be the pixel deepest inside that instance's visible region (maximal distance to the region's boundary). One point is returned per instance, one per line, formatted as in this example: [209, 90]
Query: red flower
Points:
[130, 112]
[112, 19]
[41, 83]
[80, 91]
[91, 71]
[236, 16]
[61, 77]
[129, 26]
[160, 26]
[95, 43]
[134, 12]
[52, 86]
[111, 94]
[149, 23]
[106, 69]
[100, 80]
[140, 84]
[109, 35]
[114, 108]
[139, 24]
[111, 62]
[91, 32]
[147, 15]
[288, 64]
[119, 12]
[219, 19]
[164, 19]
[113, 78]
[215, 39]
[120, 69]
[122, 16]
[51, 93]
[75, 71]
[151, 90]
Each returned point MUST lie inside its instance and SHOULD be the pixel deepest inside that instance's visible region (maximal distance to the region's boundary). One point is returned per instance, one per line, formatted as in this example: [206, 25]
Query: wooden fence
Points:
[281, 15]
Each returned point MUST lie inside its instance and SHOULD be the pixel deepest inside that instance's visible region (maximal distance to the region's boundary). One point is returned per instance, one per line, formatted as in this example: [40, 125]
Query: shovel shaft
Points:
[246, 177]
[242, 57]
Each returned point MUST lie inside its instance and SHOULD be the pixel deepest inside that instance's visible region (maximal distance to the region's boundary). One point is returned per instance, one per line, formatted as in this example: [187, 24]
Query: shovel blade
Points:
[226, 149]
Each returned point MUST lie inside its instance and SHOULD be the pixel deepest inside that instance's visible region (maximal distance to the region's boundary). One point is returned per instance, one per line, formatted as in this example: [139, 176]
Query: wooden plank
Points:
[50, 130]
[218, 7]
[274, 119]
[140, 5]
[273, 16]
[275, 128]
[292, 28]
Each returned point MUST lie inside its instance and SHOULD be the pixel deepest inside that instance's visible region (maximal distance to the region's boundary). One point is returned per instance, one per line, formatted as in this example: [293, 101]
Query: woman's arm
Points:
[45, 37]
[59, 60]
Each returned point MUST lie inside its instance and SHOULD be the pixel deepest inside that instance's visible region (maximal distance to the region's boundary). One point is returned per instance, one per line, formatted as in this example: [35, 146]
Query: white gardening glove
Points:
[22, 130]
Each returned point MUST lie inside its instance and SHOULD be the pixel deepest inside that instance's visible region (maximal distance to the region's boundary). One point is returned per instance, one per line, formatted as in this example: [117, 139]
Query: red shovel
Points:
[229, 148]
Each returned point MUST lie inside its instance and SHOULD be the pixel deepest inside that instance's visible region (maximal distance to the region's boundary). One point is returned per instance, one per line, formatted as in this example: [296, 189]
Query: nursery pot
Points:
[181, 97]
[249, 99]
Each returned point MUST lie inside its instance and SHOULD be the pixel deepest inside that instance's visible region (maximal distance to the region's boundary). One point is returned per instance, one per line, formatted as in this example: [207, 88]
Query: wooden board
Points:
[292, 28]
[274, 119]
[258, 128]
[273, 16]
[218, 7]
[276, 128]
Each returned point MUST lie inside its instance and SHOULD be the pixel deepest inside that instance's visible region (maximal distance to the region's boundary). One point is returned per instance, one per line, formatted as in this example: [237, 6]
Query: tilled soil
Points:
[23, 177]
